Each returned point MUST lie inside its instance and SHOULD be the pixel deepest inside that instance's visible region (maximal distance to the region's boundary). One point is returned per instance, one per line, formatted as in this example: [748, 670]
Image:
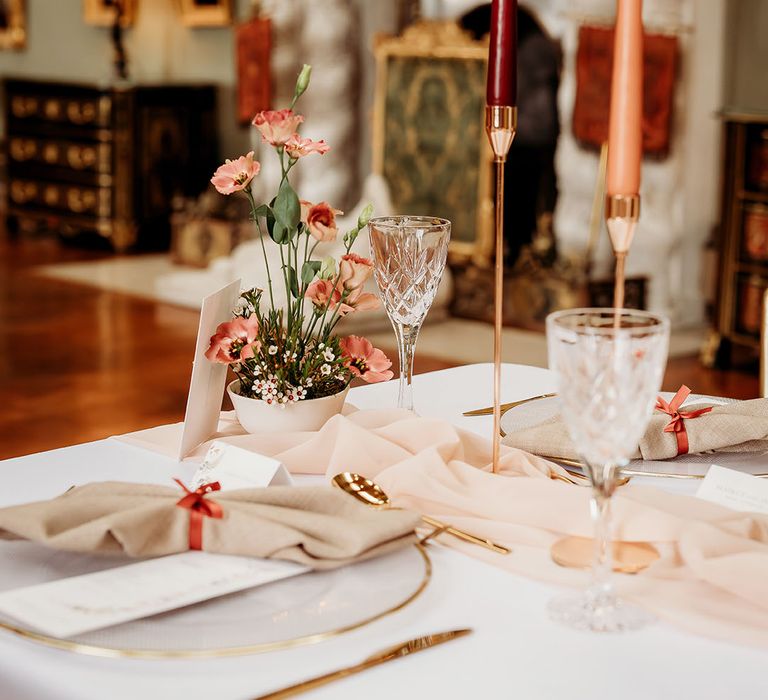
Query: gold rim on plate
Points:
[111, 652]
[564, 461]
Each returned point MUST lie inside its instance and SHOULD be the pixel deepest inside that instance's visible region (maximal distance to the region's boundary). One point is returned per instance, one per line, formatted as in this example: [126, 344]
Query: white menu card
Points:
[78, 604]
[734, 489]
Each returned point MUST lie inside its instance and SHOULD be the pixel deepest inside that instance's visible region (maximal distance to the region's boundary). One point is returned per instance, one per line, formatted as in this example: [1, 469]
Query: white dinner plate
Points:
[690, 466]
[299, 610]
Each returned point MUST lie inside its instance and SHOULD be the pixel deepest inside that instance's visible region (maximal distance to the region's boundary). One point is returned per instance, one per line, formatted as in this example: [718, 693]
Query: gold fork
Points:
[505, 406]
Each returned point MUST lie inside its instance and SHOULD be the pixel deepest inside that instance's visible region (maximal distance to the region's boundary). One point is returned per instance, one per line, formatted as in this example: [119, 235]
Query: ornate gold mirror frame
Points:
[428, 139]
[211, 13]
[13, 24]
[101, 13]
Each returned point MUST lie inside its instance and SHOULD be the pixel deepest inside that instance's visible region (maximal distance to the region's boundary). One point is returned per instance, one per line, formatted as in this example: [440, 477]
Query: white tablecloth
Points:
[515, 651]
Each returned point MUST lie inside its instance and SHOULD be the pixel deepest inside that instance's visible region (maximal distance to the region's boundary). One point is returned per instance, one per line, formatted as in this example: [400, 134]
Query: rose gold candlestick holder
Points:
[500, 125]
[622, 212]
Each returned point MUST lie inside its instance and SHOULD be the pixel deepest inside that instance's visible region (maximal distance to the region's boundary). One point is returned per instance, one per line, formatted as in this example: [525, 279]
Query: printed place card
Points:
[236, 468]
[78, 604]
[734, 489]
[206, 386]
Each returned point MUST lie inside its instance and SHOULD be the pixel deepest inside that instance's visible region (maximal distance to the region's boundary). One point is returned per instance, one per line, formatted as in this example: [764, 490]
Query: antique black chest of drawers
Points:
[84, 160]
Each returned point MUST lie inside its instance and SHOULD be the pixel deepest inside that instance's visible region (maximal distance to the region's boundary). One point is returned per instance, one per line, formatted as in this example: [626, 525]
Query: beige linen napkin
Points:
[711, 579]
[318, 526]
[735, 427]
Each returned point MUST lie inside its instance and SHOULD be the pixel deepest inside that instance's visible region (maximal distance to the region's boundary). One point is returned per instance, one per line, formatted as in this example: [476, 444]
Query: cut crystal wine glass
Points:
[409, 254]
[609, 367]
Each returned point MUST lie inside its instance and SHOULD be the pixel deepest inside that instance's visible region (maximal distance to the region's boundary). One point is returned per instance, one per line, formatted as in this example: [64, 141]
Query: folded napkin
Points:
[734, 427]
[319, 527]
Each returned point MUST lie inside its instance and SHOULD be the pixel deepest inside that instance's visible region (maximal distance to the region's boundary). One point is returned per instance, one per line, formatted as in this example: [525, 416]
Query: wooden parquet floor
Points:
[79, 363]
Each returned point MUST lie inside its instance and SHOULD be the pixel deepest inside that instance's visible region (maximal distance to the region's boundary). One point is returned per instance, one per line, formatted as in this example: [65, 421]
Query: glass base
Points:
[597, 614]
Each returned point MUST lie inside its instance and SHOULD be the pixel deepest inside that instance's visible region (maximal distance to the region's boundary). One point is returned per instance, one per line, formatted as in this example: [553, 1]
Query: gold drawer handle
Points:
[81, 112]
[81, 157]
[23, 106]
[23, 149]
[52, 109]
[51, 195]
[23, 192]
[79, 201]
[51, 153]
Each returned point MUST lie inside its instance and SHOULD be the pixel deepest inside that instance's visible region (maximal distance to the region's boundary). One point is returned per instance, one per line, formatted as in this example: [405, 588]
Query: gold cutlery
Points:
[505, 406]
[395, 652]
[573, 476]
[372, 494]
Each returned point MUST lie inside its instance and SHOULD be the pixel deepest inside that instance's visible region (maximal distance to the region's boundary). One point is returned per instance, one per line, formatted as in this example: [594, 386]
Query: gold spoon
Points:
[372, 494]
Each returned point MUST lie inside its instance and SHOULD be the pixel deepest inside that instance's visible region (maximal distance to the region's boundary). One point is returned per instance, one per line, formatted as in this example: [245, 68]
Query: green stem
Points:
[328, 303]
[304, 287]
[335, 318]
[289, 308]
[263, 247]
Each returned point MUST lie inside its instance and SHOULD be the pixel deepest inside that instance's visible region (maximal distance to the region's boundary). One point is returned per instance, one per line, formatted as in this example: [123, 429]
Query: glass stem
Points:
[406, 346]
[601, 591]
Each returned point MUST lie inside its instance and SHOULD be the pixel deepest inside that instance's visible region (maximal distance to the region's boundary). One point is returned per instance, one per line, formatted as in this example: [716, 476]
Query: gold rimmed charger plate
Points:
[388, 584]
[525, 414]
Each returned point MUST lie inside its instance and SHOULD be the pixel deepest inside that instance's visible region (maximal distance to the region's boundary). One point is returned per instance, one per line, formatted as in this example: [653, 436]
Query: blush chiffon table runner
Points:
[711, 579]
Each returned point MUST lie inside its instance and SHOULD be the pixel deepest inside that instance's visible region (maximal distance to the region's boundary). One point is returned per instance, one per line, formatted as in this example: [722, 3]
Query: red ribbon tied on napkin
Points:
[199, 507]
[677, 424]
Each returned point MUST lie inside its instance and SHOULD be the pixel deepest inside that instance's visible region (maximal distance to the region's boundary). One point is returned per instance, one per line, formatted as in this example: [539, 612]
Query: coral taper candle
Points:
[502, 56]
[625, 130]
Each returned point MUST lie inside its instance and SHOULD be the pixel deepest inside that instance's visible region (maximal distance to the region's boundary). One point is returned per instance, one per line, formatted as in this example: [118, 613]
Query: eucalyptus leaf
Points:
[278, 232]
[262, 210]
[293, 281]
[270, 218]
[308, 270]
[287, 209]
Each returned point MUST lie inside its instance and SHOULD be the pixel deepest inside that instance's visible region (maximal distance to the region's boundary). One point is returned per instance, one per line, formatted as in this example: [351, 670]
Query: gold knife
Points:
[390, 654]
[505, 406]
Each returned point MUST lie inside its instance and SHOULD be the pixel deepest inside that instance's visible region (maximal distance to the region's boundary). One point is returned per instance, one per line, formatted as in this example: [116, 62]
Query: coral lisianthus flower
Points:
[366, 361]
[363, 301]
[354, 270]
[234, 341]
[320, 291]
[298, 147]
[277, 126]
[236, 175]
[320, 219]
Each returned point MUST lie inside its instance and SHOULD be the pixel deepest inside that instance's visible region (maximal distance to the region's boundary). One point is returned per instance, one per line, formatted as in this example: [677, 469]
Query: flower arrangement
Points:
[289, 354]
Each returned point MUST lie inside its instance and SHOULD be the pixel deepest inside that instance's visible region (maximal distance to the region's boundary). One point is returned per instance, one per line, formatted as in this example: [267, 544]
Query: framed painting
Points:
[102, 13]
[13, 24]
[429, 141]
[206, 13]
[594, 63]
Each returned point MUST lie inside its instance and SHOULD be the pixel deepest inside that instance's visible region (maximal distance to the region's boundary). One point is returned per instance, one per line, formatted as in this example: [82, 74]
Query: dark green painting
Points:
[433, 136]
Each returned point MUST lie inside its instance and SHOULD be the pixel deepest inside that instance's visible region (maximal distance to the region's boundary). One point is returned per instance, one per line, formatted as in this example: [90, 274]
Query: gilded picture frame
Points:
[13, 24]
[101, 13]
[206, 13]
[429, 141]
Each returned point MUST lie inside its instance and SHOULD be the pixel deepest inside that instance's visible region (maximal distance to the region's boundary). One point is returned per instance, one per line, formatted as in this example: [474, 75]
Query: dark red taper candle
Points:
[502, 56]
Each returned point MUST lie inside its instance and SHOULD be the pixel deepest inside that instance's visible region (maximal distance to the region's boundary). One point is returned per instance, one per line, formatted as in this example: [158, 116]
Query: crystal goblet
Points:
[609, 366]
[409, 254]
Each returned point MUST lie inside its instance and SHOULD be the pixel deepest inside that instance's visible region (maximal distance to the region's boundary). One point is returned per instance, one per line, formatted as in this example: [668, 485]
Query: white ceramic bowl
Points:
[259, 417]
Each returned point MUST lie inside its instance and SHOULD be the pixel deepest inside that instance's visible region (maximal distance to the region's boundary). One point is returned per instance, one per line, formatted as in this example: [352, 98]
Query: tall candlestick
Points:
[502, 55]
[625, 128]
[622, 207]
[500, 125]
